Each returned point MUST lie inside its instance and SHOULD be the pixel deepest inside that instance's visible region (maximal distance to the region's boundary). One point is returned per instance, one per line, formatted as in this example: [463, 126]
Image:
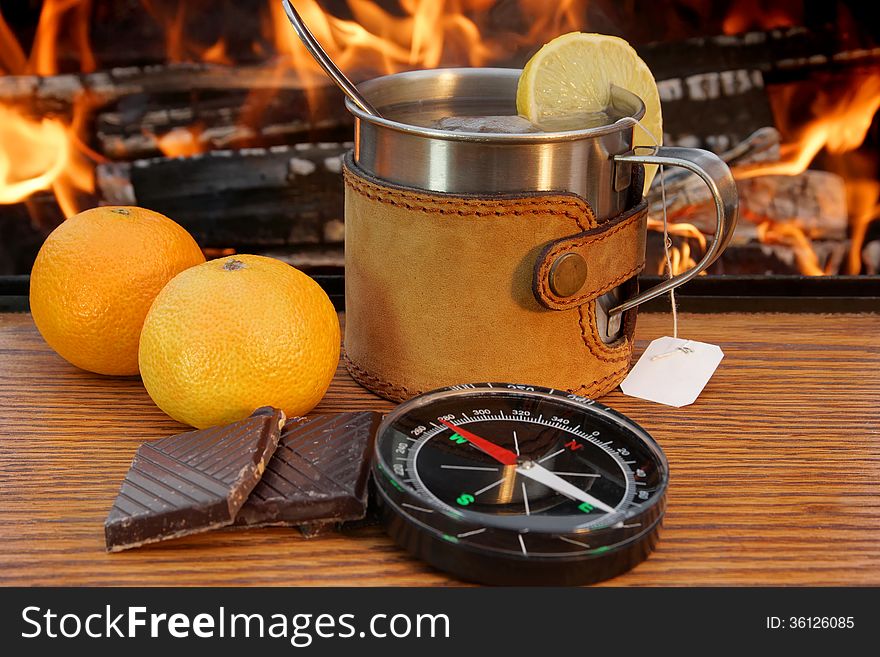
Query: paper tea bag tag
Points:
[672, 371]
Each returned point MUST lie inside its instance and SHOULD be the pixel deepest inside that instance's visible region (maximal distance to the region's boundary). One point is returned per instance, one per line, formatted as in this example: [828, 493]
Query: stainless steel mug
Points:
[427, 211]
[595, 163]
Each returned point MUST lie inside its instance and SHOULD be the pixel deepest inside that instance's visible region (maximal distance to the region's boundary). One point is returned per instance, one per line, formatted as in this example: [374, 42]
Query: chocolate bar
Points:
[319, 472]
[191, 482]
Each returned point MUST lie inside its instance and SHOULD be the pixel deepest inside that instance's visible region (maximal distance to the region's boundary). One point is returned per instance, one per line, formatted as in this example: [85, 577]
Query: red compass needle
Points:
[500, 454]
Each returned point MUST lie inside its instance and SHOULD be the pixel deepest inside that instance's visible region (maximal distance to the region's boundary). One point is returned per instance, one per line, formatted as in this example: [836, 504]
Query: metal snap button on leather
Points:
[568, 273]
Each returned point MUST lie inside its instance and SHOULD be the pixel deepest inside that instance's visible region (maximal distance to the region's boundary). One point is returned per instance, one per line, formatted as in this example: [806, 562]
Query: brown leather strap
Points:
[614, 252]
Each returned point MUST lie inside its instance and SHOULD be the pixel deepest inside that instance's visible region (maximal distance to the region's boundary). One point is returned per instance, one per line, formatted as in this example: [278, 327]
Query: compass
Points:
[512, 484]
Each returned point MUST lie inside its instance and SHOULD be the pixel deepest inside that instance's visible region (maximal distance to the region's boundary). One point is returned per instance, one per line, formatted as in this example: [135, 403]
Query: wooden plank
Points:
[775, 470]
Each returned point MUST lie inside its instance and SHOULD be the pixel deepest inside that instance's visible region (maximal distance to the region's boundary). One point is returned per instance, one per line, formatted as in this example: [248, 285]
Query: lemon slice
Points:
[571, 77]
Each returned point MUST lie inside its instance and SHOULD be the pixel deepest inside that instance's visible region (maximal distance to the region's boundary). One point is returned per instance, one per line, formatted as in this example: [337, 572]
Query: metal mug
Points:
[594, 163]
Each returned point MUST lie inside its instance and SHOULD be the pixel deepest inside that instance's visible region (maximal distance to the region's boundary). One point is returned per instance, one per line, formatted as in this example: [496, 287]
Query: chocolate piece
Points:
[191, 482]
[319, 472]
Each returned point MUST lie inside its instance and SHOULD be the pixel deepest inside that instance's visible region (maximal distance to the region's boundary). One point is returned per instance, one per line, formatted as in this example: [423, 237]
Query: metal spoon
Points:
[326, 63]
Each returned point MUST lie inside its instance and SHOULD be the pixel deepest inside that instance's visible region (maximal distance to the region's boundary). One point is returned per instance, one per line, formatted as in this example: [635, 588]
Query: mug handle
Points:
[716, 174]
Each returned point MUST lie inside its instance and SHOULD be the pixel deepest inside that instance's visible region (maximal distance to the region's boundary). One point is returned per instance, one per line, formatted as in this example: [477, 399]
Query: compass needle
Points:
[542, 475]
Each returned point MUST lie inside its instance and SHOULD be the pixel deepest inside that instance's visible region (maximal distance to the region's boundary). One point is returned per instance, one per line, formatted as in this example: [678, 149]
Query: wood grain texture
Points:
[775, 470]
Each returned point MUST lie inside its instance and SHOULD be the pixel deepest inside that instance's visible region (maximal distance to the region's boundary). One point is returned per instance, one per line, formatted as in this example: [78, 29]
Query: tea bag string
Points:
[667, 241]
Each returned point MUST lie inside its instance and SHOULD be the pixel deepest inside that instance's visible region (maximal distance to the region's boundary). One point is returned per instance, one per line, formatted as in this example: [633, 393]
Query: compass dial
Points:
[501, 474]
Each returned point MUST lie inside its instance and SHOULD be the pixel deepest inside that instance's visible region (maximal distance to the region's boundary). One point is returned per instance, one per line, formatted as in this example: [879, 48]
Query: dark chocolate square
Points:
[319, 472]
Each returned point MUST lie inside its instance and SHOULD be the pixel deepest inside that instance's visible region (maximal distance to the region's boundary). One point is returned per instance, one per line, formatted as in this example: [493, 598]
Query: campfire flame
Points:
[791, 235]
[34, 154]
[46, 153]
[840, 122]
[428, 34]
[680, 255]
[863, 201]
[839, 116]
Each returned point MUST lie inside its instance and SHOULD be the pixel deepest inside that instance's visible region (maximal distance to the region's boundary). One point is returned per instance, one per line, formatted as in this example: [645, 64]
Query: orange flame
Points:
[430, 33]
[46, 153]
[378, 41]
[792, 236]
[839, 118]
[550, 21]
[216, 54]
[44, 55]
[33, 154]
[863, 201]
[840, 123]
[680, 254]
[746, 15]
[179, 48]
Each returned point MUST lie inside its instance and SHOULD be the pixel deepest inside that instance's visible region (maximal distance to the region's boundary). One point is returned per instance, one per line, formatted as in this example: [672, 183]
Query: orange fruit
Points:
[235, 334]
[95, 277]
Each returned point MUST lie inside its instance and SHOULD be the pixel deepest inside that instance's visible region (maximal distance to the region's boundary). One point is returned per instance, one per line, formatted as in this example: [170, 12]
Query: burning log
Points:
[822, 257]
[141, 127]
[209, 108]
[816, 200]
[55, 94]
[786, 51]
[249, 198]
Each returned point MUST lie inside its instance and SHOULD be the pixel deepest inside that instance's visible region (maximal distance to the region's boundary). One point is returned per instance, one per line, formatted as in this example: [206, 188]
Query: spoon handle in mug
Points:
[325, 61]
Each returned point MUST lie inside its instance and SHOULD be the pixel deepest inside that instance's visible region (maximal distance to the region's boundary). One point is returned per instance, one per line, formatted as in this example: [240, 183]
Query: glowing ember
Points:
[182, 142]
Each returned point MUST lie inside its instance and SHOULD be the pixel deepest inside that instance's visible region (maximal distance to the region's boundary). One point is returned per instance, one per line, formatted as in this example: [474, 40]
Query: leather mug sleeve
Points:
[440, 289]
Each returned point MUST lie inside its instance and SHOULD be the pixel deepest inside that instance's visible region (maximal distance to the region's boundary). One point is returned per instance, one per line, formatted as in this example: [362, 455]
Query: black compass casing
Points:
[463, 511]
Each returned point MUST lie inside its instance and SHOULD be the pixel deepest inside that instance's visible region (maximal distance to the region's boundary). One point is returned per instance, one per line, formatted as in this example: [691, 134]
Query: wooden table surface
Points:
[775, 470]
